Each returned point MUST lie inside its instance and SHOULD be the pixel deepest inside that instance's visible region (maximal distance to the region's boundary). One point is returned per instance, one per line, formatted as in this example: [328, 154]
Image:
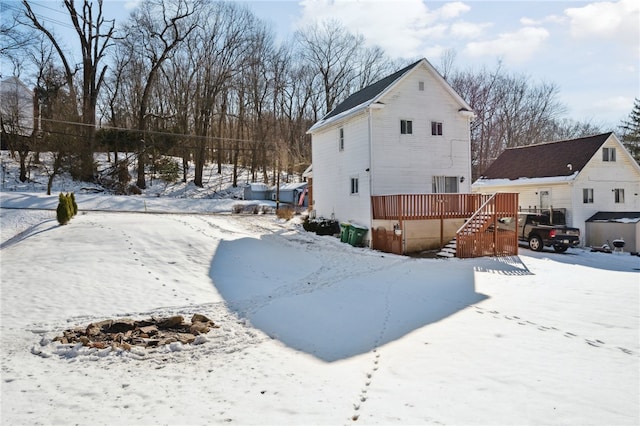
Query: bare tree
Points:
[222, 43]
[510, 111]
[155, 30]
[95, 35]
[329, 49]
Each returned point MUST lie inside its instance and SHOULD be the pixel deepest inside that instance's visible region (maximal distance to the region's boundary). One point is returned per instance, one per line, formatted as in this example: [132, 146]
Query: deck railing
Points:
[426, 206]
[492, 230]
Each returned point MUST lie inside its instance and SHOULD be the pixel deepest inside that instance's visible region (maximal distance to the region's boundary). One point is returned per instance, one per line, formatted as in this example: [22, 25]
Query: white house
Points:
[16, 107]
[584, 176]
[405, 134]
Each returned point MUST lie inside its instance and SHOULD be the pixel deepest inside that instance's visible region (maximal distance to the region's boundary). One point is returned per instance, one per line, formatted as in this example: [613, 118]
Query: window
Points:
[445, 184]
[608, 154]
[341, 140]
[354, 186]
[436, 128]
[619, 195]
[421, 86]
[587, 195]
[406, 127]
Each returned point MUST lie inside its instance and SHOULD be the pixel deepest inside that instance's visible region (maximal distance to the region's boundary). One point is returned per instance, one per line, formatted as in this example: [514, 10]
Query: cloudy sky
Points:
[590, 50]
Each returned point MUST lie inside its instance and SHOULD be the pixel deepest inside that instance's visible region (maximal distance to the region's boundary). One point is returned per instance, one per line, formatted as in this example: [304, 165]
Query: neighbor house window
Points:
[406, 127]
[587, 195]
[619, 195]
[436, 128]
[354, 185]
[341, 140]
[421, 86]
[445, 184]
[608, 154]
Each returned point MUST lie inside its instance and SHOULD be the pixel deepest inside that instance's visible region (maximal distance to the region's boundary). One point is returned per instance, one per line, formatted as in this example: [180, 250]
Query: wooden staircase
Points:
[486, 232]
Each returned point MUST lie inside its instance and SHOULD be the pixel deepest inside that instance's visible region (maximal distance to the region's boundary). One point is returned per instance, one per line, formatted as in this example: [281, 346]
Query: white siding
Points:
[406, 163]
[602, 176]
[392, 163]
[333, 170]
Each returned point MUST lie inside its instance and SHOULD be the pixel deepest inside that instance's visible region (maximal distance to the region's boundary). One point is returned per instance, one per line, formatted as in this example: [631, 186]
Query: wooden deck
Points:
[489, 230]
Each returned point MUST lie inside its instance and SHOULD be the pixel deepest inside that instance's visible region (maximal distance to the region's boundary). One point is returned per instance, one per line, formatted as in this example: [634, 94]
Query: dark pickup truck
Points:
[539, 232]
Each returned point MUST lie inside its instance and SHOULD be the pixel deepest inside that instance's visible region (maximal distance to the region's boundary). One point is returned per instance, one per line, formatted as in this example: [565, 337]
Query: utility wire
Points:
[149, 132]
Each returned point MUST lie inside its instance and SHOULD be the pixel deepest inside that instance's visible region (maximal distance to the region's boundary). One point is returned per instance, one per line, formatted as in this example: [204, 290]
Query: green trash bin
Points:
[356, 235]
[344, 232]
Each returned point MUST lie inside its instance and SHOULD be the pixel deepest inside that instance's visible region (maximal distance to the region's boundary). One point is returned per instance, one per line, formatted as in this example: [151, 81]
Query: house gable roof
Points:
[370, 94]
[550, 159]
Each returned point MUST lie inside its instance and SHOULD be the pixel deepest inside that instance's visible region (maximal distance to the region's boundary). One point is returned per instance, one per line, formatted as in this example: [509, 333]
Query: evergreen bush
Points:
[74, 205]
[62, 211]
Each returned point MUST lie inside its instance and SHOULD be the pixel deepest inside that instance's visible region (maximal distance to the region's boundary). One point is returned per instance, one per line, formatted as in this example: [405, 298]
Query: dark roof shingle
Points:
[369, 92]
[551, 159]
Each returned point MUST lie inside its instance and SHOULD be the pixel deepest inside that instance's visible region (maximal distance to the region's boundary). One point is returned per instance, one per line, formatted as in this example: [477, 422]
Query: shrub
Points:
[74, 205]
[237, 208]
[168, 169]
[63, 212]
[309, 225]
[285, 213]
[321, 226]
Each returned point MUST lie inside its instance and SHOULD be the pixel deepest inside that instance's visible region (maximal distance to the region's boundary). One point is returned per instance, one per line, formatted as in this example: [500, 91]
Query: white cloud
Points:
[451, 10]
[529, 22]
[515, 47]
[131, 4]
[607, 20]
[401, 27]
[468, 30]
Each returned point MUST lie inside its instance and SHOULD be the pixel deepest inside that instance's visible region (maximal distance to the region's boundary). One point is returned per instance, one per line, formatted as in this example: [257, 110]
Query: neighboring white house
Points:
[16, 107]
[584, 176]
[405, 134]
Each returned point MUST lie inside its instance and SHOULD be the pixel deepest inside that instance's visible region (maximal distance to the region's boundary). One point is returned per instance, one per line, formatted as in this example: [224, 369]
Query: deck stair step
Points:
[448, 251]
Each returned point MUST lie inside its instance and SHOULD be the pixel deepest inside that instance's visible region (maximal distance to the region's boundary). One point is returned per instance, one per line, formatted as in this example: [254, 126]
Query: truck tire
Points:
[560, 249]
[535, 243]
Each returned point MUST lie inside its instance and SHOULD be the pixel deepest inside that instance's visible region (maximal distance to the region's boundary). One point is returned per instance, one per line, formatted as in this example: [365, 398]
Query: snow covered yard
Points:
[312, 331]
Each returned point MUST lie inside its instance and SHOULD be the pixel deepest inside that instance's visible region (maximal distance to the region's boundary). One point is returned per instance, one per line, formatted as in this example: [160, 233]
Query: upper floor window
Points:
[406, 127]
[421, 86]
[354, 185]
[608, 154]
[445, 184]
[436, 128]
[587, 195]
[341, 140]
[619, 195]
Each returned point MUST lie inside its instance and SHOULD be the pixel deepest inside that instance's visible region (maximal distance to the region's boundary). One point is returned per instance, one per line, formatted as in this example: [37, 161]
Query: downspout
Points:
[370, 180]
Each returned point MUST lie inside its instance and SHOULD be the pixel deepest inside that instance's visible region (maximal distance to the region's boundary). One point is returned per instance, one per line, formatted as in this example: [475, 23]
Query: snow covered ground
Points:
[312, 331]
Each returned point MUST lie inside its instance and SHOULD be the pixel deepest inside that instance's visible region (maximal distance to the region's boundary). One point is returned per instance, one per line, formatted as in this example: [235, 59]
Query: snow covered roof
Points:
[482, 182]
[258, 186]
[292, 186]
[560, 160]
[620, 217]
